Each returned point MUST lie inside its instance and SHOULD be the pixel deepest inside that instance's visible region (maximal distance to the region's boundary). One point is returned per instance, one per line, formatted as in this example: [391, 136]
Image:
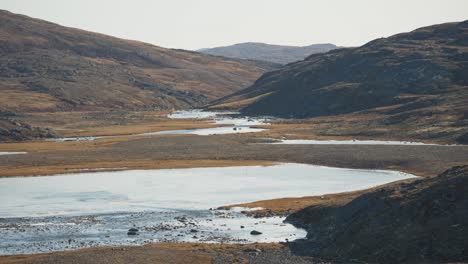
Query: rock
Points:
[255, 232]
[132, 232]
[252, 250]
[193, 230]
[392, 223]
[242, 226]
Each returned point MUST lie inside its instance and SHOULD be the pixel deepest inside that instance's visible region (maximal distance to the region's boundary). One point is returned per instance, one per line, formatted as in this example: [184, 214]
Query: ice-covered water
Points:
[65, 139]
[235, 125]
[351, 142]
[41, 214]
[194, 188]
[12, 153]
[208, 131]
[197, 114]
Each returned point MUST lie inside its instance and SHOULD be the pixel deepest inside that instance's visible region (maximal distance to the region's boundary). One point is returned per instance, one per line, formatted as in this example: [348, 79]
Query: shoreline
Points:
[269, 233]
[201, 249]
[151, 165]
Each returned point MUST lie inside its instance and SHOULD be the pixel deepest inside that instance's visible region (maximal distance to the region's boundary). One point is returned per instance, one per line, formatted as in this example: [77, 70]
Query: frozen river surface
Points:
[230, 125]
[49, 213]
[352, 142]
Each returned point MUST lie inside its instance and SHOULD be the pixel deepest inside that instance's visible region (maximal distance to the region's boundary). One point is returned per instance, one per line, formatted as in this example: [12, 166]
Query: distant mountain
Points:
[266, 52]
[48, 67]
[417, 79]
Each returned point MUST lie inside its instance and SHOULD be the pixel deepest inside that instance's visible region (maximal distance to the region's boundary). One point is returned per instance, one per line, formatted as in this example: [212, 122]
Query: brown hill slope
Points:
[423, 221]
[267, 52]
[48, 67]
[407, 78]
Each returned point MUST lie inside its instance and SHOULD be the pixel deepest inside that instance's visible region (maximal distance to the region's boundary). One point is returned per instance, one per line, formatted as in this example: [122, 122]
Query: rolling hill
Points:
[416, 80]
[267, 52]
[48, 67]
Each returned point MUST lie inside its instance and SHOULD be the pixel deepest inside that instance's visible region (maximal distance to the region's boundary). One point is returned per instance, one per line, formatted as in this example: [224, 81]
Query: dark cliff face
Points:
[62, 68]
[422, 221]
[428, 66]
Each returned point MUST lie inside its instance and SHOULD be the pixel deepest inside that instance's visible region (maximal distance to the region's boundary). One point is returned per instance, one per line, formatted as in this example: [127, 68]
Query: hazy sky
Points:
[209, 23]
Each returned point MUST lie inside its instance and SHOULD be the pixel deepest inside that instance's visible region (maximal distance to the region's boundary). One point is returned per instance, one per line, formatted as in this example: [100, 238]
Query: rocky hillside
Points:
[266, 52]
[423, 221]
[13, 129]
[48, 67]
[406, 79]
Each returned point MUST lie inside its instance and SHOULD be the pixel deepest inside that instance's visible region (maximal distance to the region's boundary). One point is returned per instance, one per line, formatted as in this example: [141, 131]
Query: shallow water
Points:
[47, 234]
[41, 214]
[351, 142]
[208, 131]
[241, 121]
[238, 125]
[197, 114]
[76, 138]
[12, 153]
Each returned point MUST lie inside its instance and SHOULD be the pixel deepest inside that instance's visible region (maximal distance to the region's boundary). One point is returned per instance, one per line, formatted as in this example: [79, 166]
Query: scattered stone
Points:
[193, 230]
[255, 232]
[242, 226]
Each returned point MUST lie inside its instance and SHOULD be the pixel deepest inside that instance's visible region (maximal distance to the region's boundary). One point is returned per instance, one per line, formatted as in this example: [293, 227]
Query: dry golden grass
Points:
[286, 206]
[81, 124]
[237, 104]
[16, 100]
[136, 164]
[345, 127]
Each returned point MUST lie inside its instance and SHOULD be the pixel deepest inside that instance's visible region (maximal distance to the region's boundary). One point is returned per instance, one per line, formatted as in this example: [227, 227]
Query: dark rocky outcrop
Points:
[12, 129]
[422, 221]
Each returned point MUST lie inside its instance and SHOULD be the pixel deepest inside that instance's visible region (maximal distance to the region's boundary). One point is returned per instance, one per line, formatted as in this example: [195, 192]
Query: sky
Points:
[195, 24]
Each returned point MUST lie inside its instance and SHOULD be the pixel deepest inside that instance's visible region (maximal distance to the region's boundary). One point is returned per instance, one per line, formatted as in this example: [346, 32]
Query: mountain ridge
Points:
[282, 54]
[72, 69]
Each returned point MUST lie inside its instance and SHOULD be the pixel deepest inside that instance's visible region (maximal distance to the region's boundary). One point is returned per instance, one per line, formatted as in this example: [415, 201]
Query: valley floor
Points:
[126, 152]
